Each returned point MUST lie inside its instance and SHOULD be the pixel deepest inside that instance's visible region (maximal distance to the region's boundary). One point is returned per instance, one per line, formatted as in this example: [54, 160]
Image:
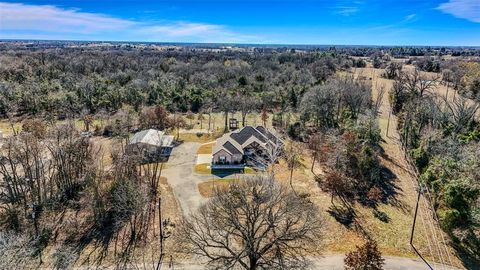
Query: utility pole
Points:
[420, 191]
[164, 233]
[160, 235]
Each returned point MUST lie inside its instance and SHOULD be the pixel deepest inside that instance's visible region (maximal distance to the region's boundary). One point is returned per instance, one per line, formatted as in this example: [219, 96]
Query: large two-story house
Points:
[237, 148]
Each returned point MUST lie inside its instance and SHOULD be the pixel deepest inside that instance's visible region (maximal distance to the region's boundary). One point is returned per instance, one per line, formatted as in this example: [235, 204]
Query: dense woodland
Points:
[317, 104]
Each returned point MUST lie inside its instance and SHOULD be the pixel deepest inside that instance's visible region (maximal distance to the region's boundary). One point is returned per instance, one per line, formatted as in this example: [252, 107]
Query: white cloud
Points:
[410, 18]
[184, 29]
[24, 21]
[206, 32]
[53, 19]
[465, 9]
[346, 10]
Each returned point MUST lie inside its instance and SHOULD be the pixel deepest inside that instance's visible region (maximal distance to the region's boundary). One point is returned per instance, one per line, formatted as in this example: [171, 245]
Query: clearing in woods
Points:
[429, 238]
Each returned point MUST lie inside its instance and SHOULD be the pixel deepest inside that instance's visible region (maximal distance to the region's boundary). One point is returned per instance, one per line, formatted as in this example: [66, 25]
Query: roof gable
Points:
[272, 137]
[232, 149]
[246, 133]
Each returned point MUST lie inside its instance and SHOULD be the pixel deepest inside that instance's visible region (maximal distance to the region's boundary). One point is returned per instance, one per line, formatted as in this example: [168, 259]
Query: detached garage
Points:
[152, 144]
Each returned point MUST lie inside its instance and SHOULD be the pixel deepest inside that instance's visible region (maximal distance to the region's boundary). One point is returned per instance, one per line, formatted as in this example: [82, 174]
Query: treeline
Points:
[66, 81]
[460, 74]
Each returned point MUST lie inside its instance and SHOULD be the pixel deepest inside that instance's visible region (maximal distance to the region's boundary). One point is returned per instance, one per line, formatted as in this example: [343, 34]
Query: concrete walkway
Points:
[204, 158]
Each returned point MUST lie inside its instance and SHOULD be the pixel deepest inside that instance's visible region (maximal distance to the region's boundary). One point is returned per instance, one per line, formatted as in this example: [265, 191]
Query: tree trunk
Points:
[253, 263]
[313, 162]
[209, 121]
[446, 95]
[226, 121]
[291, 177]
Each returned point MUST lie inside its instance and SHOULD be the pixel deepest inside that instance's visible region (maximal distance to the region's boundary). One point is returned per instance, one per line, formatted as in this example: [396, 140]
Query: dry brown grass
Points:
[208, 188]
[206, 148]
[6, 127]
[203, 168]
[196, 137]
[218, 121]
[393, 236]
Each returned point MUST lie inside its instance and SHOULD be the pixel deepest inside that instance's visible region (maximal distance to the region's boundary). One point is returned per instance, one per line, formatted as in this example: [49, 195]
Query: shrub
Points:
[449, 219]
[421, 158]
[369, 166]
[11, 218]
[366, 257]
[36, 127]
[64, 257]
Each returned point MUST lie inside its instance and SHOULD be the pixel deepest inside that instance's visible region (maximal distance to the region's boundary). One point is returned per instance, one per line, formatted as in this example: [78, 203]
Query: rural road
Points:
[181, 177]
[335, 262]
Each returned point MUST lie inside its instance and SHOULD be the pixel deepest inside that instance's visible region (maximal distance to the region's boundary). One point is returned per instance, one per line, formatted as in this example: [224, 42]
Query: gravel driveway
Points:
[182, 179]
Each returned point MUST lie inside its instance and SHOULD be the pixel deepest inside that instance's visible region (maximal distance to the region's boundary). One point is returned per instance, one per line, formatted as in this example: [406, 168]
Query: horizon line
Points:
[238, 44]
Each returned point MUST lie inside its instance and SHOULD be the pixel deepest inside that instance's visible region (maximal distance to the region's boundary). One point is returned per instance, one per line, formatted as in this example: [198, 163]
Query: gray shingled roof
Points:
[235, 141]
[267, 134]
[231, 148]
[245, 133]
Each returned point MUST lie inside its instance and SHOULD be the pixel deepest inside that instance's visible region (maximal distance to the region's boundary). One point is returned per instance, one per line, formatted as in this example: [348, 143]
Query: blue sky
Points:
[360, 22]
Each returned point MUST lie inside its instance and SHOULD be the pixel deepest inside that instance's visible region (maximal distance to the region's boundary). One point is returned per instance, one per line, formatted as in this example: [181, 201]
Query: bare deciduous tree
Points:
[292, 155]
[314, 145]
[393, 70]
[246, 105]
[254, 224]
[416, 83]
[462, 112]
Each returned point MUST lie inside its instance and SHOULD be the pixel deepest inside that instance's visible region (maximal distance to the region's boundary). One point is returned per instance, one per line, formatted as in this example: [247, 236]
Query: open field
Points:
[217, 121]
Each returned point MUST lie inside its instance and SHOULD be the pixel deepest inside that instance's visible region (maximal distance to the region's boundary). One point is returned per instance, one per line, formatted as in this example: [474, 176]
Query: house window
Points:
[222, 159]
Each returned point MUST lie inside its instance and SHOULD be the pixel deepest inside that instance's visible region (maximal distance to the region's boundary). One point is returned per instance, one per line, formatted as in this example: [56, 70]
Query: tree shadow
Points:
[389, 192]
[382, 216]
[342, 214]
[388, 186]
[101, 235]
